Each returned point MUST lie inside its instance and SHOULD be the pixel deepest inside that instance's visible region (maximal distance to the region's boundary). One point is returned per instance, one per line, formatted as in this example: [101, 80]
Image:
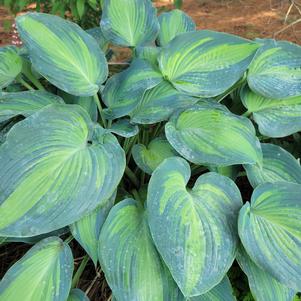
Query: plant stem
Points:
[132, 176]
[97, 101]
[79, 271]
[35, 81]
[25, 84]
[69, 239]
[136, 195]
[246, 114]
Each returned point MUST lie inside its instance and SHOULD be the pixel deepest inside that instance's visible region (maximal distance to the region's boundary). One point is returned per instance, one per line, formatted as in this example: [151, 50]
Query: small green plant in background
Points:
[142, 162]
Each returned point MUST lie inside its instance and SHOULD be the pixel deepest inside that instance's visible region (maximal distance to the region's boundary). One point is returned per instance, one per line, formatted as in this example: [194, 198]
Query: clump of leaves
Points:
[141, 167]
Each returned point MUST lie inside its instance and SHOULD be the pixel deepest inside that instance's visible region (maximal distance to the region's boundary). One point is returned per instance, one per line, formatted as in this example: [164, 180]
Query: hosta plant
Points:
[146, 163]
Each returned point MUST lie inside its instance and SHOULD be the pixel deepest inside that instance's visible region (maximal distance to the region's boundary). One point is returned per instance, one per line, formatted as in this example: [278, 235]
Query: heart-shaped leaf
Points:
[275, 117]
[195, 231]
[87, 230]
[43, 274]
[55, 167]
[205, 63]
[277, 165]
[270, 230]
[77, 295]
[263, 286]
[63, 53]
[124, 90]
[275, 71]
[132, 265]
[209, 134]
[129, 22]
[10, 65]
[149, 157]
[159, 103]
[172, 24]
[25, 103]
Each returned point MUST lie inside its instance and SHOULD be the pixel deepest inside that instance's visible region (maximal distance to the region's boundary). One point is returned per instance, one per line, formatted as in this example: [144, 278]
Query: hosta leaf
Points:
[228, 171]
[172, 24]
[25, 103]
[221, 292]
[124, 90]
[263, 286]
[129, 22]
[275, 71]
[63, 53]
[10, 65]
[278, 165]
[86, 231]
[97, 34]
[87, 102]
[43, 274]
[55, 166]
[205, 63]
[129, 259]
[149, 54]
[210, 134]
[275, 117]
[159, 103]
[77, 295]
[149, 157]
[194, 230]
[270, 230]
[124, 128]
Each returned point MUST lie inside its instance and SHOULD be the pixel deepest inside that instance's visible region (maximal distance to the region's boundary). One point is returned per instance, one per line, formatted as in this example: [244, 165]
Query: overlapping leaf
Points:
[43, 274]
[10, 65]
[77, 295]
[277, 165]
[263, 286]
[205, 63]
[97, 34]
[124, 128]
[25, 103]
[129, 22]
[124, 90]
[172, 24]
[51, 162]
[194, 230]
[149, 54]
[63, 53]
[87, 230]
[270, 230]
[159, 103]
[132, 265]
[275, 117]
[150, 156]
[209, 134]
[275, 71]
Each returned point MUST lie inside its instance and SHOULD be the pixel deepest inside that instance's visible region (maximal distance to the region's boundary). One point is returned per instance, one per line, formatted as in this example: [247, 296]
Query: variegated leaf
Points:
[149, 54]
[263, 286]
[172, 24]
[43, 274]
[275, 117]
[51, 162]
[97, 34]
[158, 103]
[129, 259]
[278, 165]
[149, 157]
[129, 22]
[209, 134]
[270, 230]
[205, 63]
[25, 103]
[275, 71]
[10, 65]
[195, 231]
[87, 230]
[63, 53]
[124, 90]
